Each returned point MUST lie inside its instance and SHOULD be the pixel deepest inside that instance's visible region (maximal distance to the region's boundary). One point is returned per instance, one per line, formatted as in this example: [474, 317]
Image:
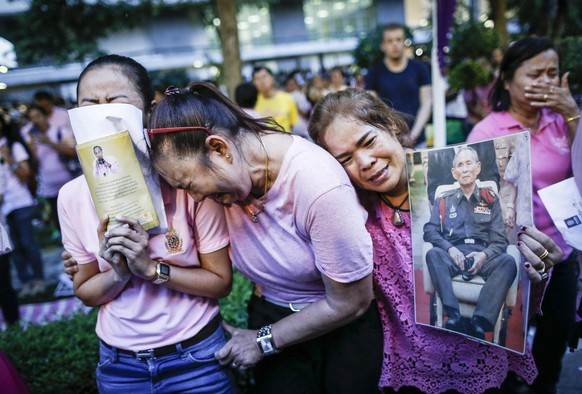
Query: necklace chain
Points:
[397, 218]
[263, 200]
[387, 202]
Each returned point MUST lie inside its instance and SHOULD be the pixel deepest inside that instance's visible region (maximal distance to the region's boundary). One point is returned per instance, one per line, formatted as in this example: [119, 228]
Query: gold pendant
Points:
[254, 218]
[397, 218]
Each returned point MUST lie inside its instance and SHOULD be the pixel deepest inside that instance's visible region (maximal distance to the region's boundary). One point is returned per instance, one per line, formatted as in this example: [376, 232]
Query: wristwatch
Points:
[265, 341]
[162, 273]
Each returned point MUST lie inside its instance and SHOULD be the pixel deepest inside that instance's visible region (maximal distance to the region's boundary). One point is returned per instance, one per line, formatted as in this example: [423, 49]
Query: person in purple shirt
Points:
[365, 136]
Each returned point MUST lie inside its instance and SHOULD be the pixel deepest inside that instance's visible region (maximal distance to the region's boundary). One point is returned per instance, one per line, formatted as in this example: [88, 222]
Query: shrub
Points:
[571, 59]
[234, 307]
[59, 357]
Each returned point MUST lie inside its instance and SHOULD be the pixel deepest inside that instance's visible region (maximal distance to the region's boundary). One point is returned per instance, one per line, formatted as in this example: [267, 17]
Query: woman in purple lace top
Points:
[365, 136]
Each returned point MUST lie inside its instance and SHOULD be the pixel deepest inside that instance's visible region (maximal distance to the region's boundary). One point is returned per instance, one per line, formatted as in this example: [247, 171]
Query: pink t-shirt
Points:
[52, 172]
[145, 315]
[312, 225]
[550, 159]
[16, 195]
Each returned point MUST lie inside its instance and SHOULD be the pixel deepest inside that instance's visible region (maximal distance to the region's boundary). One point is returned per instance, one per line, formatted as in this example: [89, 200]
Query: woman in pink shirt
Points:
[296, 230]
[528, 94]
[365, 136]
[158, 322]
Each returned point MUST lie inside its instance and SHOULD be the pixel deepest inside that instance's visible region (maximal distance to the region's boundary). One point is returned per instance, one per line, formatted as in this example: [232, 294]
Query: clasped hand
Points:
[459, 258]
[125, 247]
[241, 351]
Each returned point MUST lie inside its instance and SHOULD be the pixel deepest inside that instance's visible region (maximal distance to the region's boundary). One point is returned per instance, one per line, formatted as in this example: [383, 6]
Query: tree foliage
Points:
[549, 18]
[62, 31]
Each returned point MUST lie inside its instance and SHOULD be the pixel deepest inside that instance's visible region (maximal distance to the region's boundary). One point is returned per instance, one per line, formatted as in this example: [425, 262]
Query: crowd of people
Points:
[305, 191]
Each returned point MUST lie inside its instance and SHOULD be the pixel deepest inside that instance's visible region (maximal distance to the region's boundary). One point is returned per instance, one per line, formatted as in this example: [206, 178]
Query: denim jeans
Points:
[190, 370]
[26, 254]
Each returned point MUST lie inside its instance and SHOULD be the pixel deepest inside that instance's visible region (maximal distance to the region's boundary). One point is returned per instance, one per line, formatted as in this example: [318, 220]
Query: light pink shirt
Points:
[145, 315]
[550, 159]
[52, 172]
[312, 225]
[16, 195]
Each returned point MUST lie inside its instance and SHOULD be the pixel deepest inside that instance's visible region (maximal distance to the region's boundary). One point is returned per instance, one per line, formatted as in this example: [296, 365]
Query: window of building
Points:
[326, 19]
[254, 26]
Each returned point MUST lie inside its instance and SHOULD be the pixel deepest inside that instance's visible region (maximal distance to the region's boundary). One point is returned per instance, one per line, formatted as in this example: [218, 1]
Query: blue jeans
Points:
[190, 370]
[26, 254]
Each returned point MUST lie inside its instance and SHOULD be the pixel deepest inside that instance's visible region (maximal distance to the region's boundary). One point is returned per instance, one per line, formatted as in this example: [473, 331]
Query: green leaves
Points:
[62, 31]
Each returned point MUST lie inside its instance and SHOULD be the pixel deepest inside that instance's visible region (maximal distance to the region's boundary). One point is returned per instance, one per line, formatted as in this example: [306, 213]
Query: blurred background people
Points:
[8, 297]
[19, 210]
[53, 145]
[402, 83]
[337, 80]
[294, 86]
[273, 101]
[246, 95]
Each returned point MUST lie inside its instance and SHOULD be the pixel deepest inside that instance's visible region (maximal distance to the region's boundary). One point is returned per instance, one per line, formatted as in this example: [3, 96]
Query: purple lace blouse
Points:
[429, 359]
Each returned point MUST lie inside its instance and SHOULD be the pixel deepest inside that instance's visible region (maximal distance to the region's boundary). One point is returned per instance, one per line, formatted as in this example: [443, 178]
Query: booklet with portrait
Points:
[467, 205]
[112, 149]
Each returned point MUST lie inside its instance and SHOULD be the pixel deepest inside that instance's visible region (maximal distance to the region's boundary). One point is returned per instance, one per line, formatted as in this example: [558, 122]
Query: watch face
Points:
[164, 269]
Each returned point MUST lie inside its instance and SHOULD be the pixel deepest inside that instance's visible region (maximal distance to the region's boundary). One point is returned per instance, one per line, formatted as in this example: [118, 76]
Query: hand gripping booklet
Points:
[112, 148]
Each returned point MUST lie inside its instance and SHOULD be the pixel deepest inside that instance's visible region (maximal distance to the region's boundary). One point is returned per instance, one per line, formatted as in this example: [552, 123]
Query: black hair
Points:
[256, 69]
[246, 95]
[131, 69]
[200, 105]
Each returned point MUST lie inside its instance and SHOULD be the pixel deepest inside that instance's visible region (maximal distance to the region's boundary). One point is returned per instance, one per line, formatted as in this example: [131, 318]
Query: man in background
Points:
[402, 83]
[272, 101]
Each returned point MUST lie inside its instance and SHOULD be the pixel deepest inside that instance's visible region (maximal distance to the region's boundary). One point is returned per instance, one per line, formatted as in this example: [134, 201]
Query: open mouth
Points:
[378, 175]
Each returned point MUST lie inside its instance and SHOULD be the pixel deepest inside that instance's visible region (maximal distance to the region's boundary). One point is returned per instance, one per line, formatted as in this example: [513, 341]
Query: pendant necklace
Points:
[397, 218]
[263, 200]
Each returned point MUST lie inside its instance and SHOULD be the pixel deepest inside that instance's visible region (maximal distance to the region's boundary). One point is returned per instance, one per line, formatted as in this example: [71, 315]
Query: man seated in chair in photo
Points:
[467, 233]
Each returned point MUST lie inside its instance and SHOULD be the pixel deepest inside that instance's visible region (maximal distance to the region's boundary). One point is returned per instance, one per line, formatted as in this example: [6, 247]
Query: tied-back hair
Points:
[362, 107]
[517, 53]
[200, 105]
[134, 71]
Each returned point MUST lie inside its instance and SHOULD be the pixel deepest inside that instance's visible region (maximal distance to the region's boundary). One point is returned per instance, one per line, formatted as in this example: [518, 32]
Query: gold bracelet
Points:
[573, 118]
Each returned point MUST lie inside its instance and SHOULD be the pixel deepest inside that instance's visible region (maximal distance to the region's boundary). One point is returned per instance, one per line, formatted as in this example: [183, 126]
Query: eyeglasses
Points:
[151, 132]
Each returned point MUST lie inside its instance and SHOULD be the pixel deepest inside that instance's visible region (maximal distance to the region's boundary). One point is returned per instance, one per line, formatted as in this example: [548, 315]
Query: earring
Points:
[227, 155]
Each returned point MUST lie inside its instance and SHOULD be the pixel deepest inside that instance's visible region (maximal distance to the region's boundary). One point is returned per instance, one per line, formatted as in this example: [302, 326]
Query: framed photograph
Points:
[468, 203]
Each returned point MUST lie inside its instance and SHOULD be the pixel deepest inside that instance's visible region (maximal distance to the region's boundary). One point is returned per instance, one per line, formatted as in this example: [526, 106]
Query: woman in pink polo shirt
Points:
[158, 321]
[528, 94]
[296, 230]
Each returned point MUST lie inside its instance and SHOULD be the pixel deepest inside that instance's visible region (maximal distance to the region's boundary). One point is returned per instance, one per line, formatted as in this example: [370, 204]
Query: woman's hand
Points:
[540, 251]
[509, 215]
[131, 240]
[116, 260]
[241, 351]
[71, 267]
[557, 98]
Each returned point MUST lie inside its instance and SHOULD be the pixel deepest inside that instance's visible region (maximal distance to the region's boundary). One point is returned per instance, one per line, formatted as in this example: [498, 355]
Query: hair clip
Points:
[170, 90]
[151, 132]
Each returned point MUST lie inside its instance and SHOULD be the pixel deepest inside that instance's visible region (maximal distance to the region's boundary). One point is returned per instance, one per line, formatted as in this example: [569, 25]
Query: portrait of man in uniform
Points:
[466, 212]
[466, 230]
